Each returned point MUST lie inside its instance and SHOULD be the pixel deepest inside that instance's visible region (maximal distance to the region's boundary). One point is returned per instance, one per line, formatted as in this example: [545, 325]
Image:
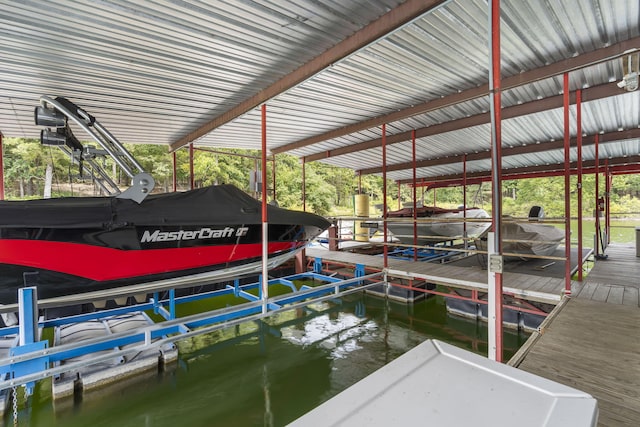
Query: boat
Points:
[526, 238]
[443, 224]
[82, 244]
[73, 245]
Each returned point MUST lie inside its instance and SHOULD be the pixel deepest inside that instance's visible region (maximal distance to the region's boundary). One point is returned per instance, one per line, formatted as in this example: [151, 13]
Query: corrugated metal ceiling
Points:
[153, 71]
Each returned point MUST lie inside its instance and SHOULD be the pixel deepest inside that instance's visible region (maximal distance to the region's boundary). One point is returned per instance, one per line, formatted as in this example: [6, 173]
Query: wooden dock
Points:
[471, 276]
[593, 343]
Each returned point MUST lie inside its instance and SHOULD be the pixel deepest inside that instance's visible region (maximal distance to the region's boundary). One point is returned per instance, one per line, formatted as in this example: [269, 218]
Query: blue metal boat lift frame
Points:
[32, 361]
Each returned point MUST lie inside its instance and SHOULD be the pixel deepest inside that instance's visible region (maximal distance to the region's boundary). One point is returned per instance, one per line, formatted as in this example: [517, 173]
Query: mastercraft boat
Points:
[436, 224]
[81, 244]
[75, 245]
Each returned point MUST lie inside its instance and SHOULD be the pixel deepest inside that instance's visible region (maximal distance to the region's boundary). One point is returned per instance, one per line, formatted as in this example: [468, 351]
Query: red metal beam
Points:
[555, 69]
[390, 21]
[622, 165]
[551, 103]
[529, 148]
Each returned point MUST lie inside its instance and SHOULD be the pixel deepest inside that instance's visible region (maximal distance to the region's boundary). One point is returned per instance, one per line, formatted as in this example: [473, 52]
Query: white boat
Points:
[442, 224]
[527, 237]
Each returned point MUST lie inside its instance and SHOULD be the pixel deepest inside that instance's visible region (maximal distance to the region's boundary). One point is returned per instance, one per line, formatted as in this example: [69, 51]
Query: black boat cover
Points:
[220, 204]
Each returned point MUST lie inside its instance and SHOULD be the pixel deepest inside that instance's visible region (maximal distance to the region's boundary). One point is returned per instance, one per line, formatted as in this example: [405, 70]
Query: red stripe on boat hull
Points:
[104, 264]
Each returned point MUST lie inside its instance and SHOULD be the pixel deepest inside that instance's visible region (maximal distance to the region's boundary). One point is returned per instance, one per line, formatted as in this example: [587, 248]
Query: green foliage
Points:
[329, 190]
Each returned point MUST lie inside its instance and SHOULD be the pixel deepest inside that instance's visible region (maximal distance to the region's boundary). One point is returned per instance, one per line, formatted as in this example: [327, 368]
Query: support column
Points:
[265, 224]
[191, 177]
[399, 203]
[175, 171]
[596, 141]
[415, 215]
[1, 168]
[273, 176]
[567, 189]
[607, 199]
[384, 193]
[304, 185]
[464, 199]
[579, 177]
[495, 247]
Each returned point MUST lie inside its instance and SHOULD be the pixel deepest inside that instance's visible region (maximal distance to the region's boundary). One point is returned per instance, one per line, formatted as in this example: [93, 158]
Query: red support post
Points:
[415, 215]
[1, 168]
[273, 175]
[567, 189]
[192, 180]
[464, 199]
[495, 95]
[597, 192]
[304, 186]
[607, 198]
[175, 172]
[384, 193]
[265, 225]
[579, 177]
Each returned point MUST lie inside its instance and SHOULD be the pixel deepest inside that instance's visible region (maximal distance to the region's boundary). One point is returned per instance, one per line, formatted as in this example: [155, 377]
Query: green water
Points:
[264, 374]
[622, 231]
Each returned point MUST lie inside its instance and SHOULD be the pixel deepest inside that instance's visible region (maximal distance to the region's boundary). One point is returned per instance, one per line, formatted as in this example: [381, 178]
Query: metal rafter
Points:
[591, 94]
[619, 165]
[520, 150]
[588, 59]
[392, 20]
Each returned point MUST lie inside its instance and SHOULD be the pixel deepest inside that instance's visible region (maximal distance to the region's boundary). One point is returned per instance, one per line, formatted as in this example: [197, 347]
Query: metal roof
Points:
[169, 72]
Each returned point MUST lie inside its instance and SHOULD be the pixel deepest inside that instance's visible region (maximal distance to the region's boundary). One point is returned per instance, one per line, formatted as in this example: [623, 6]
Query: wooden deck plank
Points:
[588, 289]
[616, 294]
[621, 267]
[631, 296]
[589, 346]
[601, 293]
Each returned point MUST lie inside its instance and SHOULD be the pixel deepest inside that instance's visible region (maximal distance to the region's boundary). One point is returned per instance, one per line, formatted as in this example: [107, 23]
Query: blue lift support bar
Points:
[32, 361]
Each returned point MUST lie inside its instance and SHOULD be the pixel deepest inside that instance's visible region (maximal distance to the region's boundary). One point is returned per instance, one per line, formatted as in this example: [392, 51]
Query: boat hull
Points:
[77, 245]
[525, 239]
[451, 227]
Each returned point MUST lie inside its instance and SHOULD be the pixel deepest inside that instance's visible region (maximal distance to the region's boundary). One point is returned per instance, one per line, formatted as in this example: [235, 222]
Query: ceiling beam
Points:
[390, 21]
[590, 94]
[532, 147]
[618, 164]
[557, 68]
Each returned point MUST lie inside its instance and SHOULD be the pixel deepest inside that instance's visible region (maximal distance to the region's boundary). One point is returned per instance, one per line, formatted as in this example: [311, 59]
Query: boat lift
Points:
[33, 360]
